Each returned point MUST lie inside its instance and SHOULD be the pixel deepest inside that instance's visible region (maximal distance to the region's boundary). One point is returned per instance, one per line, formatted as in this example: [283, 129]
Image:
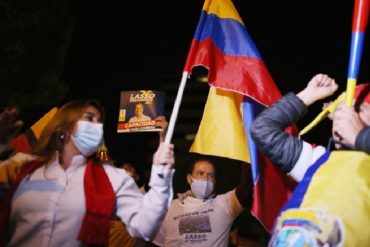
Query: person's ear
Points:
[188, 178]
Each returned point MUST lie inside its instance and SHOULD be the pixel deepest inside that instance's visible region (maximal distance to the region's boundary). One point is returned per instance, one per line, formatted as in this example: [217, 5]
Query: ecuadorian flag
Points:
[223, 45]
[330, 206]
[241, 87]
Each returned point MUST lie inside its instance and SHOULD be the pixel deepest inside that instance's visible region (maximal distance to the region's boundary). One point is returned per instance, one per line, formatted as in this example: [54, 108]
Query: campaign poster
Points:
[139, 111]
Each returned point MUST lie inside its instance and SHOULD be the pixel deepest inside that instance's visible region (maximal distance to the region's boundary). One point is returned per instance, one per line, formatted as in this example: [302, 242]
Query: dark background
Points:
[56, 50]
[124, 45]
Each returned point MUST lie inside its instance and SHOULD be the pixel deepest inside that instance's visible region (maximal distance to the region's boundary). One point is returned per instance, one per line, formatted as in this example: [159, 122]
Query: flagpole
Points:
[359, 23]
[175, 111]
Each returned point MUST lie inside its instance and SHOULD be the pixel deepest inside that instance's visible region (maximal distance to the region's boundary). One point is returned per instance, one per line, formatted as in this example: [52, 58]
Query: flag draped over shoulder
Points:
[241, 87]
[26, 141]
[331, 205]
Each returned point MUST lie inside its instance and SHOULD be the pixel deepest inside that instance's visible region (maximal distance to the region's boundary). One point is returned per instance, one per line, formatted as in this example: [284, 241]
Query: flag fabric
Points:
[241, 87]
[330, 206]
[272, 188]
[222, 115]
[223, 45]
[26, 141]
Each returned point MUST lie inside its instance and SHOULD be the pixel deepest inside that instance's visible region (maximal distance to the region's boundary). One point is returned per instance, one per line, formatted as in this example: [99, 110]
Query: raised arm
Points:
[267, 130]
[143, 215]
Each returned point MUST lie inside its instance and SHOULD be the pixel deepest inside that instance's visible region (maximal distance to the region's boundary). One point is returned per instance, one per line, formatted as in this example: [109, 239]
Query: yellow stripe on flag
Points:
[39, 126]
[223, 9]
[341, 187]
[221, 132]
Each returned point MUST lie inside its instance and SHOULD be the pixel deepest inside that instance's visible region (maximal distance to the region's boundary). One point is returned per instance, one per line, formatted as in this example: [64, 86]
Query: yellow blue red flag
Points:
[241, 87]
[330, 206]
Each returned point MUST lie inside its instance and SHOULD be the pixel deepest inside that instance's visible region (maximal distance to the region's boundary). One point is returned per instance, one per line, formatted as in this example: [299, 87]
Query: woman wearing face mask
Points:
[66, 198]
[199, 217]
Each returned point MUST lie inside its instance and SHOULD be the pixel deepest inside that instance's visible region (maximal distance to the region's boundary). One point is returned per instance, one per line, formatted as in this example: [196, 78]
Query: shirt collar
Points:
[77, 160]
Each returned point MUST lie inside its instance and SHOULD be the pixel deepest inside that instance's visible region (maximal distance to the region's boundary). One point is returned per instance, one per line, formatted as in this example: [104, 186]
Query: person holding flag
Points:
[317, 213]
[351, 124]
[240, 87]
[200, 216]
[65, 196]
[293, 155]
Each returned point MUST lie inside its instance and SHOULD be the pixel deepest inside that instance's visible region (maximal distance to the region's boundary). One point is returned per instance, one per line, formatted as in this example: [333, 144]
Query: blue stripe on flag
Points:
[300, 190]
[250, 109]
[223, 32]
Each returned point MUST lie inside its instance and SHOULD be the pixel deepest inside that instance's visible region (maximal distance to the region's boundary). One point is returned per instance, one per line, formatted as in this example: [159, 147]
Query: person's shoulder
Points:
[226, 193]
[174, 206]
[225, 196]
[18, 159]
[119, 178]
[175, 202]
[114, 171]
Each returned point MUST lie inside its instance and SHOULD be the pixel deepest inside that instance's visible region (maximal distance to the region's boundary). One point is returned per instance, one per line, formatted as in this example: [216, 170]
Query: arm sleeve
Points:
[143, 214]
[363, 140]
[308, 156]
[268, 132]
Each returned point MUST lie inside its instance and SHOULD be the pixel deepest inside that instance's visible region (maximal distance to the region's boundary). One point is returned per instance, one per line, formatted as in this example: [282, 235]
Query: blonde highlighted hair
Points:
[56, 132]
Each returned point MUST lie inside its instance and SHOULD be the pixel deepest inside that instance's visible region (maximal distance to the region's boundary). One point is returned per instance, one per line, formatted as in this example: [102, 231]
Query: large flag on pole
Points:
[223, 45]
[241, 87]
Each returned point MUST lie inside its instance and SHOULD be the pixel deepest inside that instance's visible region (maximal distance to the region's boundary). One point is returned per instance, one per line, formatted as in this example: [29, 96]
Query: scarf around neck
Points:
[99, 197]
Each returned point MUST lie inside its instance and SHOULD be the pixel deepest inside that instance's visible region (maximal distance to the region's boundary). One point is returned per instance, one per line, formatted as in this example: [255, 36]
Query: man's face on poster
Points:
[139, 109]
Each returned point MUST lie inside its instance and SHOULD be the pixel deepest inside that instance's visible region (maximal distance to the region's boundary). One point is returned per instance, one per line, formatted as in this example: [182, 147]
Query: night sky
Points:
[132, 45]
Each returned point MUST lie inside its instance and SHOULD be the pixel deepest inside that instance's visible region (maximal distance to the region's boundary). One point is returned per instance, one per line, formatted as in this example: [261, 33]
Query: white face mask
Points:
[201, 188]
[89, 137]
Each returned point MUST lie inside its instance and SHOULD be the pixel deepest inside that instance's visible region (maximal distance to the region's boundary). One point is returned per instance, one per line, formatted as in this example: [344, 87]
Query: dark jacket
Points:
[268, 133]
[281, 148]
[363, 140]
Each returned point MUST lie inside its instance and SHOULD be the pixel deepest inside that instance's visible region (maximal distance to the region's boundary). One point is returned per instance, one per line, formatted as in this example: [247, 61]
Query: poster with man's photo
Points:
[140, 111]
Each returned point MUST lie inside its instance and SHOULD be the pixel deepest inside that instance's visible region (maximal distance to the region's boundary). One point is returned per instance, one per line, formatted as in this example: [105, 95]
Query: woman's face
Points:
[91, 114]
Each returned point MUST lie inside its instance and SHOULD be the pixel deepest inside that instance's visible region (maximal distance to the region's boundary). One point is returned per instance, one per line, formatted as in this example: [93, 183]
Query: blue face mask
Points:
[88, 138]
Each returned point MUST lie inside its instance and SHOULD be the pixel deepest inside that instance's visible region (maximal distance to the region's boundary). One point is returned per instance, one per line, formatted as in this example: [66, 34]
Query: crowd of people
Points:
[60, 194]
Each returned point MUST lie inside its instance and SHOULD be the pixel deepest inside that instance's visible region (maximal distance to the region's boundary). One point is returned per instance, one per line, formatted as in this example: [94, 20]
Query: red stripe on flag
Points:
[271, 192]
[245, 75]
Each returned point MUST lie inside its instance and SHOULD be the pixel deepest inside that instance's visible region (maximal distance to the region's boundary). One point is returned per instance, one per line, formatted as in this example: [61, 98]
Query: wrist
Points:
[306, 97]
